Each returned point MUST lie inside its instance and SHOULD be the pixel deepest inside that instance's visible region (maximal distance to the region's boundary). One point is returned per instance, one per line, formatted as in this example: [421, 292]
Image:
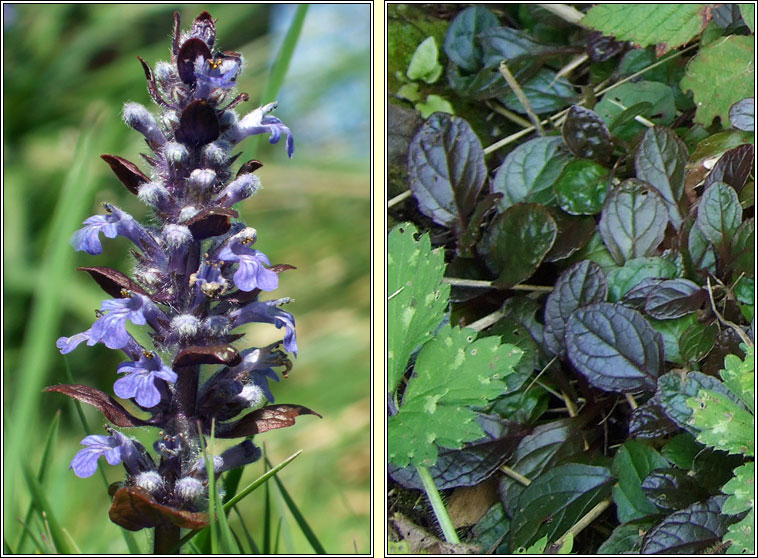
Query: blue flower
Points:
[116, 223]
[140, 377]
[84, 462]
[68, 344]
[268, 312]
[260, 122]
[214, 73]
[251, 273]
[110, 327]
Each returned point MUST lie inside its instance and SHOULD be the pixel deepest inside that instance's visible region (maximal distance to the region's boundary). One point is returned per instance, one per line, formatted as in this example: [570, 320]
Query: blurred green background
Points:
[68, 71]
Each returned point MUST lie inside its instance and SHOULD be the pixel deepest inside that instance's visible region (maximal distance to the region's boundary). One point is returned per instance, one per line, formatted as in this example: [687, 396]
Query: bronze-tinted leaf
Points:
[185, 60]
[211, 222]
[103, 402]
[134, 509]
[733, 167]
[204, 27]
[177, 36]
[126, 171]
[251, 166]
[112, 281]
[264, 419]
[198, 124]
[211, 354]
[151, 86]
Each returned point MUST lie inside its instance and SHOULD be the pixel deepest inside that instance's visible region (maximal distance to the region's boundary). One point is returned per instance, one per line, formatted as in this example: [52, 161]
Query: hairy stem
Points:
[166, 539]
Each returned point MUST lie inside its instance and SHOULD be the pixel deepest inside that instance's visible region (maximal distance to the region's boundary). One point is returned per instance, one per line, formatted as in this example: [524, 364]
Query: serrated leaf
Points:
[581, 187]
[688, 531]
[517, 241]
[660, 160]
[461, 42]
[721, 74]
[544, 92]
[528, 172]
[742, 535]
[446, 170]
[633, 462]
[722, 424]
[434, 410]
[651, 99]
[633, 221]
[742, 115]
[586, 135]
[581, 284]
[556, 500]
[622, 279]
[614, 347]
[417, 299]
[719, 214]
[671, 489]
[424, 64]
[674, 298]
[669, 25]
[741, 490]
[739, 376]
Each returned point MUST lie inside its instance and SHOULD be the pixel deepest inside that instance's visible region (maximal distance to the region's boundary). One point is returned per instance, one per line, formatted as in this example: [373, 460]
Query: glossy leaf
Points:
[586, 135]
[581, 284]
[626, 538]
[484, 84]
[134, 509]
[126, 171]
[671, 489]
[733, 167]
[719, 214]
[544, 92]
[614, 347]
[434, 410]
[721, 74]
[660, 160]
[648, 421]
[198, 124]
[681, 450]
[581, 187]
[622, 279]
[667, 25]
[529, 171]
[633, 462]
[417, 299]
[210, 222]
[270, 417]
[112, 281]
[574, 232]
[506, 43]
[446, 169]
[207, 354]
[697, 341]
[674, 298]
[636, 297]
[461, 42]
[517, 241]
[109, 407]
[650, 99]
[742, 114]
[556, 500]
[742, 249]
[699, 250]
[688, 531]
[633, 221]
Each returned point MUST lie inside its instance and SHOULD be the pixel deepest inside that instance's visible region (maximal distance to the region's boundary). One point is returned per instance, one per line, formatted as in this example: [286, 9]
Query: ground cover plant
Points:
[571, 279]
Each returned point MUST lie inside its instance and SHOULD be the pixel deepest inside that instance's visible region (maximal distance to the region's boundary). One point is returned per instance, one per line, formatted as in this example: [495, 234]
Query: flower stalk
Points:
[196, 279]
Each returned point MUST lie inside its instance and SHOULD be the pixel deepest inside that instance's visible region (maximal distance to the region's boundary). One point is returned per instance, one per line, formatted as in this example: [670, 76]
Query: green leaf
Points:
[697, 341]
[722, 423]
[741, 492]
[651, 99]
[674, 391]
[581, 188]
[681, 450]
[461, 43]
[424, 64]
[529, 171]
[721, 74]
[660, 160]
[417, 299]
[556, 500]
[748, 15]
[434, 410]
[517, 241]
[667, 25]
[622, 279]
[544, 92]
[410, 92]
[491, 529]
[633, 221]
[719, 215]
[633, 462]
[742, 535]
[626, 538]
[434, 103]
[742, 250]
[739, 376]
[672, 331]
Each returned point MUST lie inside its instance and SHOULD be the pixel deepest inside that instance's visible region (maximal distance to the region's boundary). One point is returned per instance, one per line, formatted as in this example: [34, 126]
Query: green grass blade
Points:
[224, 541]
[59, 539]
[281, 65]
[300, 519]
[71, 541]
[266, 514]
[278, 536]
[46, 308]
[251, 547]
[52, 434]
[232, 482]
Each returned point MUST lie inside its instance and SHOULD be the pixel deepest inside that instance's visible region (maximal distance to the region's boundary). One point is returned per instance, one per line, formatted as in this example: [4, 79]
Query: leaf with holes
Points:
[581, 284]
[528, 172]
[633, 221]
[660, 161]
[556, 500]
[517, 241]
[417, 299]
[446, 170]
[614, 347]
[435, 408]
